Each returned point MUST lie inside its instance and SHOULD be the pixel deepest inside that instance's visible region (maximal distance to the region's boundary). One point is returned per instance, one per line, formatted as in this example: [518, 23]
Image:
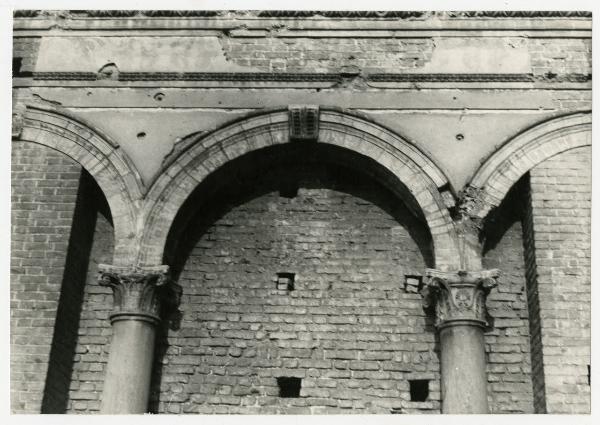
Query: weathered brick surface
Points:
[26, 48]
[560, 56]
[44, 190]
[349, 329]
[328, 54]
[507, 344]
[560, 202]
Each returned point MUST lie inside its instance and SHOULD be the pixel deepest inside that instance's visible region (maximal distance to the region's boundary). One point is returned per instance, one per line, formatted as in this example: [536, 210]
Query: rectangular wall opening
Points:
[289, 387]
[419, 389]
[285, 281]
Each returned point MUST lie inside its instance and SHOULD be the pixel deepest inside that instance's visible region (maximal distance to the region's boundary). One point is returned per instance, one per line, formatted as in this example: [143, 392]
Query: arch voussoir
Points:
[107, 164]
[500, 172]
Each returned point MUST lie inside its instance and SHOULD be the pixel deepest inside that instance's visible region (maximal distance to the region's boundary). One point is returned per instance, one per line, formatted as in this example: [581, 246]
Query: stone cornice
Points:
[369, 14]
[303, 23]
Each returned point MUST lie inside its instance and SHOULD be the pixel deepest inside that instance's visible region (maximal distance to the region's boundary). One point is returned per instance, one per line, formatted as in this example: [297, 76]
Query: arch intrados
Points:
[239, 188]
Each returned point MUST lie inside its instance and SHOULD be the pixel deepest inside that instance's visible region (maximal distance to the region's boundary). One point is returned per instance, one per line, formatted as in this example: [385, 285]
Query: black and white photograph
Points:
[282, 211]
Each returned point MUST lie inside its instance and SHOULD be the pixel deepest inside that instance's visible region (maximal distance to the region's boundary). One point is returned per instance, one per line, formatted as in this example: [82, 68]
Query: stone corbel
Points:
[459, 297]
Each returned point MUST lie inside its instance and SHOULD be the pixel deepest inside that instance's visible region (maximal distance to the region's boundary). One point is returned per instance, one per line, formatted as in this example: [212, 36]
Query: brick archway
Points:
[501, 171]
[421, 176]
[102, 158]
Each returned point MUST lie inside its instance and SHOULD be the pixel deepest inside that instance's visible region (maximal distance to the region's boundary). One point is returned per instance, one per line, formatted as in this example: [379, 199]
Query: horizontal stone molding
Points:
[371, 14]
[502, 170]
[103, 159]
[294, 77]
[410, 165]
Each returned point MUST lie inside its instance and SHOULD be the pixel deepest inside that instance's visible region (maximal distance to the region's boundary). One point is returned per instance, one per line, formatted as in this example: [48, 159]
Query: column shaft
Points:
[137, 299]
[129, 369]
[464, 378]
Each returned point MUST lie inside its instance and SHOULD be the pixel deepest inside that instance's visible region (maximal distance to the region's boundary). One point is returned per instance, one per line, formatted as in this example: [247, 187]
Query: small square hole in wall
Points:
[413, 283]
[419, 389]
[289, 387]
[285, 281]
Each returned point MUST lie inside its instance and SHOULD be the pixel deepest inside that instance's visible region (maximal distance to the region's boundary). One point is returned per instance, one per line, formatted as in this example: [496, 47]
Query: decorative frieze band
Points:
[398, 14]
[138, 293]
[316, 77]
[459, 297]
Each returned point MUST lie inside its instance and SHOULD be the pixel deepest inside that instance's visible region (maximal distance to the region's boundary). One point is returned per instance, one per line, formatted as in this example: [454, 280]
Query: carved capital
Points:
[138, 292]
[459, 297]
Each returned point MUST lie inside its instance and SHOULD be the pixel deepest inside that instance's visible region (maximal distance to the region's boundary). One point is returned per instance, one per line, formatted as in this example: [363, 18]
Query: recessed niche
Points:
[285, 281]
[289, 387]
[419, 389]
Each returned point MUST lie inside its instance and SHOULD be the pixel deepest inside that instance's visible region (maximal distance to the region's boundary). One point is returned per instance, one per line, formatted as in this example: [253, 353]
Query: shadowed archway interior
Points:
[327, 219]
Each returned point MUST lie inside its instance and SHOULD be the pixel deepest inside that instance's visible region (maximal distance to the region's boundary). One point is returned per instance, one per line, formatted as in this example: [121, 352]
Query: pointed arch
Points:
[412, 167]
[102, 158]
[500, 172]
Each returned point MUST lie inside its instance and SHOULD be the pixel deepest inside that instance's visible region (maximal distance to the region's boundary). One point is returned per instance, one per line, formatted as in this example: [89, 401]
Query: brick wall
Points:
[548, 56]
[560, 202]
[93, 341]
[327, 54]
[507, 343]
[44, 191]
[26, 48]
[560, 56]
[348, 329]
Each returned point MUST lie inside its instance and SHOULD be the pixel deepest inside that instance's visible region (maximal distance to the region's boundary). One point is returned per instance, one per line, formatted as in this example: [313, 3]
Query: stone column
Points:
[460, 317]
[137, 294]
